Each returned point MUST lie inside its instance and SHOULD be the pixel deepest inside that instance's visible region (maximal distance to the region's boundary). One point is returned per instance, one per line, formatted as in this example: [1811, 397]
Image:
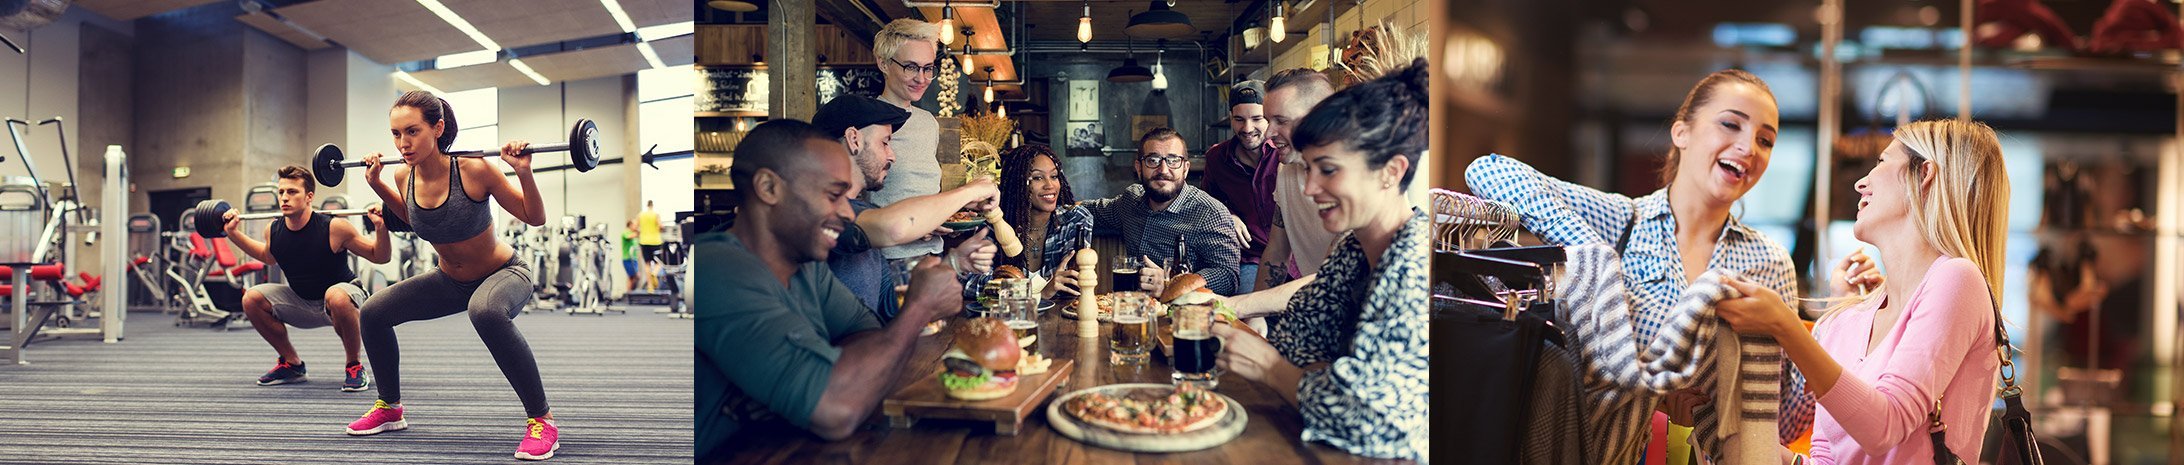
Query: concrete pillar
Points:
[792, 84]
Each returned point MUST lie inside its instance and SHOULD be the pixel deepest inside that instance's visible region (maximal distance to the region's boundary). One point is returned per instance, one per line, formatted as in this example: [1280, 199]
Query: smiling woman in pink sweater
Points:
[1936, 207]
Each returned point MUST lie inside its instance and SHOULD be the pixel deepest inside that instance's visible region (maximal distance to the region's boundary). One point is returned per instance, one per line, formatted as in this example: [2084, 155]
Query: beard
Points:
[874, 171]
[1158, 195]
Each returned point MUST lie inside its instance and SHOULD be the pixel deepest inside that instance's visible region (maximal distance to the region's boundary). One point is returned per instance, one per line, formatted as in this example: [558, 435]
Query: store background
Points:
[1584, 89]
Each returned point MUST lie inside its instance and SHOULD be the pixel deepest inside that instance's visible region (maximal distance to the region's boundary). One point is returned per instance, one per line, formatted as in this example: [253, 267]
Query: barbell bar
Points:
[209, 218]
[330, 166]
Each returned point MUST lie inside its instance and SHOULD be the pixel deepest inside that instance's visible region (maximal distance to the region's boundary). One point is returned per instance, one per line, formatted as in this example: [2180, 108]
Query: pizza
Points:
[1149, 410]
[963, 216]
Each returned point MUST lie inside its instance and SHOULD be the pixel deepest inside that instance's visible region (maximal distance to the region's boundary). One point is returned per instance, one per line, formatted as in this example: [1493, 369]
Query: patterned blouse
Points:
[1064, 231]
[1370, 324]
[1564, 213]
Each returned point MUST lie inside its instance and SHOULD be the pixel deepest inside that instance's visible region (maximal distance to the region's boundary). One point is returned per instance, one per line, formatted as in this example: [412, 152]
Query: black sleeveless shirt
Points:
[305, 258]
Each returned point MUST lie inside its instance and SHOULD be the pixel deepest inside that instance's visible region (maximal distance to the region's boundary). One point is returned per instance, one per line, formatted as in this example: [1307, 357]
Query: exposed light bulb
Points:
[1160, 77]
[1084, 25]
[989, 92]
[1279, 30]
[947, 25]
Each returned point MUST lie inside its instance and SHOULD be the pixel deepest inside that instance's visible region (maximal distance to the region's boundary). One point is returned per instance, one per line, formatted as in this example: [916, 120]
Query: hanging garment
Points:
[1623, 380]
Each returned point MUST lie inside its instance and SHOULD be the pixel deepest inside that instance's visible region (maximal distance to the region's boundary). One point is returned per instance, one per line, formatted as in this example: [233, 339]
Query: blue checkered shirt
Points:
[1564, 213]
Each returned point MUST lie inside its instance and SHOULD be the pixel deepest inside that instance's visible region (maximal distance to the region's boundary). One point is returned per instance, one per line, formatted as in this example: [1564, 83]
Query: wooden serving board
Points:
[925, 399]
[1221, 432]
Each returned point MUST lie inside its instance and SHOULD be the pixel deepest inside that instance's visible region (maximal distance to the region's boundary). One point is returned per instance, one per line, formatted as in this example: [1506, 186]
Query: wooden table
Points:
[1272, 435]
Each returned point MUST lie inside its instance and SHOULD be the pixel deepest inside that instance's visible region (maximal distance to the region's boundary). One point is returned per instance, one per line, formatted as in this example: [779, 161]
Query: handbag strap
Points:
[2008, 389]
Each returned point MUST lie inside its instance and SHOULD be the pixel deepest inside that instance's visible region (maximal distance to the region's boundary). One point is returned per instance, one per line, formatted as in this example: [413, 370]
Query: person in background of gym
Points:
[445, 199]
[648, 237]
[630, 254]
[313, 249]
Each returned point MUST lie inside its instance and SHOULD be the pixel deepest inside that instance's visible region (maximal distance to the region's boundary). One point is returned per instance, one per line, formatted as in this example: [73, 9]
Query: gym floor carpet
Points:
[619, 386]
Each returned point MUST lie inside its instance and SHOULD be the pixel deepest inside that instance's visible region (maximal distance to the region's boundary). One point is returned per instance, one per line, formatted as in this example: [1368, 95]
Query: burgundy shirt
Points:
[1248, 192]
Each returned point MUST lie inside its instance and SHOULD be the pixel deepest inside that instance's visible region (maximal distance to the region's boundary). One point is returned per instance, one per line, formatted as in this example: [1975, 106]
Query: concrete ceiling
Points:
[128, 10]
[396, 31]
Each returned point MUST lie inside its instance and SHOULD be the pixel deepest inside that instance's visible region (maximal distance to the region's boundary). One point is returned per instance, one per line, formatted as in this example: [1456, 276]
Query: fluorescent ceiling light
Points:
[465, 59]
[652, 33]
[459, 23]
[650, 56]
[526, 69]
[413, 82]
[615, 8]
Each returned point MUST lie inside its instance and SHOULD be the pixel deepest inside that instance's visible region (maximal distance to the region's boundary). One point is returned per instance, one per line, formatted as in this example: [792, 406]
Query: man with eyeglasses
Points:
[1152, 214]
[864, 126]
[907, 51]
[1240, 172]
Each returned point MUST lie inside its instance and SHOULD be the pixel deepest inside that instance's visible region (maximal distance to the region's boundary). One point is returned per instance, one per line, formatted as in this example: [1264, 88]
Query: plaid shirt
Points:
[1564, 213]
[1209, 232]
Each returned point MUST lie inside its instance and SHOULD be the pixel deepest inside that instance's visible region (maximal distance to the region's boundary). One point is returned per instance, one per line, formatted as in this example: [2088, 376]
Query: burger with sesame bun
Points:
[981, 364]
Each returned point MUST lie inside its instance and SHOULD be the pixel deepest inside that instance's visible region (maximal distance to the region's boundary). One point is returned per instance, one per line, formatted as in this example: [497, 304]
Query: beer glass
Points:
[1130, 340]
[1195, 346]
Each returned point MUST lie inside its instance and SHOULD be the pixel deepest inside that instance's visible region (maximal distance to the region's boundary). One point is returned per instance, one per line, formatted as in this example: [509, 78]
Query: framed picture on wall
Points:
[1084, 100]
[1085, 138]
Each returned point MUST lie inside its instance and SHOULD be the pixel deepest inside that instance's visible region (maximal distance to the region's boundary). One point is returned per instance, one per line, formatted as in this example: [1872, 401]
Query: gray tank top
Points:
[456, 219]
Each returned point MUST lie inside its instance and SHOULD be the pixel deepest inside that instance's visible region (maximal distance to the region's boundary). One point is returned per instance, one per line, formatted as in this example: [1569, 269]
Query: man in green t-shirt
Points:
[630, 254]
[779, 338]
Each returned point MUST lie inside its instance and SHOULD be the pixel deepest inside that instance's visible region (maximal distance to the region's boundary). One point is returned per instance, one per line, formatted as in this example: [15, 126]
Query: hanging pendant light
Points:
[989, 84]
[1279, 28]
[1160, 74]
[1161, 22]
[947, 24]
[1084, 25]
[963, 60]
[1130, 71]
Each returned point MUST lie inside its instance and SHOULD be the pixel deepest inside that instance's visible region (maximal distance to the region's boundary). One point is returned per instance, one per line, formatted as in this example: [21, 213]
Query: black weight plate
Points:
[326, 165]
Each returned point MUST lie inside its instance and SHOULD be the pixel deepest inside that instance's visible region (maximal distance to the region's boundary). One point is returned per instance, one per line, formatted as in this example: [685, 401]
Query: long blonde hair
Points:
[1966, 212]
[1969, 217]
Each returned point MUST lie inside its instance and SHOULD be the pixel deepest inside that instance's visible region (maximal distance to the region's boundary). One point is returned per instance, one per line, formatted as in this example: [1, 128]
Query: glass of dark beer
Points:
[1195, 346]
[1126, 275]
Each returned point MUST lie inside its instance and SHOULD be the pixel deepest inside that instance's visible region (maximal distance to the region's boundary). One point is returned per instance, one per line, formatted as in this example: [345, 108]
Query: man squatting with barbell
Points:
[313, 250]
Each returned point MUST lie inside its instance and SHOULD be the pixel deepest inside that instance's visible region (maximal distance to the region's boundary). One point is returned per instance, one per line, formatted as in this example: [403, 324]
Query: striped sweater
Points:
[1624, 378]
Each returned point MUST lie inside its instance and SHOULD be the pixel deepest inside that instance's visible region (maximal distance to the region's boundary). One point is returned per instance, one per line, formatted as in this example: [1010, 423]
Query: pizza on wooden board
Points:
[1149, 410]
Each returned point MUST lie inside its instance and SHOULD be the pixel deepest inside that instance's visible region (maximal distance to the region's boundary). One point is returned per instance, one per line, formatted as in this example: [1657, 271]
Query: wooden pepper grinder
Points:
[1004, 234]
[1088, 306]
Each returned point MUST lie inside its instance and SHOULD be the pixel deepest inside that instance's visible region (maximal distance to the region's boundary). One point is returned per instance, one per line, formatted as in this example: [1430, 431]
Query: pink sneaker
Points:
[540, 442]
[381, 418]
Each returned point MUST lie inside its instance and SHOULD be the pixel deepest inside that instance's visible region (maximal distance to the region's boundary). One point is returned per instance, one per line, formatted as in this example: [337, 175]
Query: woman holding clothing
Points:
[1722, 138]
[1937, 209]
[447, 202]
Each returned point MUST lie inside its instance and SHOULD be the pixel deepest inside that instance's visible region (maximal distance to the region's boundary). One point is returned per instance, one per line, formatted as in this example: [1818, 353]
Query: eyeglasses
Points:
[1155, 162]
[914, 68]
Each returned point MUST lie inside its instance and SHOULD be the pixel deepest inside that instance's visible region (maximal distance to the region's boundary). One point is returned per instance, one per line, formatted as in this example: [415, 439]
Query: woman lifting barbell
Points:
[444, 200]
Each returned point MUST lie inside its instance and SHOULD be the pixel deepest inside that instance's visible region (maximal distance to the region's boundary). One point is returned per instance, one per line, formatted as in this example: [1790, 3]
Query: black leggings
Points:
[492, 303]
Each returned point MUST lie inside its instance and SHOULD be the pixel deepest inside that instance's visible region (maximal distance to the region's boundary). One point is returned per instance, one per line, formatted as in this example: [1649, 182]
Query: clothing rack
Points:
[1464, 222]
[1494, 312]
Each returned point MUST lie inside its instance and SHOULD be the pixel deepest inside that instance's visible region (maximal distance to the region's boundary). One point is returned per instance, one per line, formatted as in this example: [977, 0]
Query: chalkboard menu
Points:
[733, 90]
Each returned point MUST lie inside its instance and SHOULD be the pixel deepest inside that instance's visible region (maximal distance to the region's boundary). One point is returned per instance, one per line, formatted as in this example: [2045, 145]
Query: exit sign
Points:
[181, 172]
